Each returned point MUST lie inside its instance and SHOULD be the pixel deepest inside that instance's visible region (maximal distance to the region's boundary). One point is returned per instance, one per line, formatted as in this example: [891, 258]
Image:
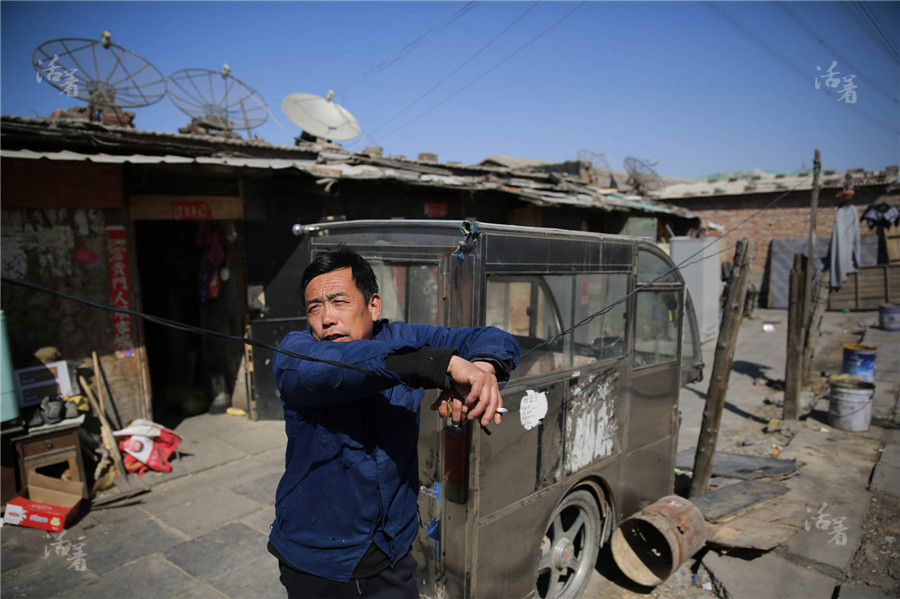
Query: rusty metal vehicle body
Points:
[590, 436]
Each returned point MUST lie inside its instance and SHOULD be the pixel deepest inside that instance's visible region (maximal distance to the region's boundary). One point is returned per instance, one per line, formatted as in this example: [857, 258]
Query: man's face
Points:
[337, 310]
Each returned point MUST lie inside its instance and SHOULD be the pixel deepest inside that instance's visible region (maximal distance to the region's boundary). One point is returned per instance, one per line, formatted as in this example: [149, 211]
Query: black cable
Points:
[200, 331]
[409, 47]
[484, 74]
[820, 40]
[781, 58]
[371, 135]
[185, 327]
[665, 274]
[879, 32]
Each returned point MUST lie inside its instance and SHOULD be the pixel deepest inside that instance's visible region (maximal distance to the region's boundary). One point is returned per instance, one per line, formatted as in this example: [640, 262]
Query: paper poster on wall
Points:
[117, 252]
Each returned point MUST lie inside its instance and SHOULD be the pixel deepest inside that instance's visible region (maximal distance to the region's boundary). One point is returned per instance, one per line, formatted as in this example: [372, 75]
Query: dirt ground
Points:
[877, 561]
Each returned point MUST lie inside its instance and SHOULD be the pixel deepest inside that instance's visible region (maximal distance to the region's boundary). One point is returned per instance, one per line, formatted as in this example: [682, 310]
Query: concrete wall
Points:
[40, 246]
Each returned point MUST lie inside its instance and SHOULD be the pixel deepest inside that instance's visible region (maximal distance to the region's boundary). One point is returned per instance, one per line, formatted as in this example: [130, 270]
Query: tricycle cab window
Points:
[538, 308]
[408, 292]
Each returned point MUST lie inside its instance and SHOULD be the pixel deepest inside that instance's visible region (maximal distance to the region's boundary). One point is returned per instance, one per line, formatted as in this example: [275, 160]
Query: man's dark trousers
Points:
[398, 582]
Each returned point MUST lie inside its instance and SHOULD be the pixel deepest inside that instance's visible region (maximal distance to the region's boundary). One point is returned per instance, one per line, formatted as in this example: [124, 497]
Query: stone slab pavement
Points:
[839, 470]
[200, 532]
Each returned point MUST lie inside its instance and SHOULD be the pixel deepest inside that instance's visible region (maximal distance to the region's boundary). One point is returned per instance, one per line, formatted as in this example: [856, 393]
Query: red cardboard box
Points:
[46, 503]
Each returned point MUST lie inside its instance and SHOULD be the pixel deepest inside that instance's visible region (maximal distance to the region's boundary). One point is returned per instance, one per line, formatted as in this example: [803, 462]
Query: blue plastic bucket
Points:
[889, 317]
[859, 360]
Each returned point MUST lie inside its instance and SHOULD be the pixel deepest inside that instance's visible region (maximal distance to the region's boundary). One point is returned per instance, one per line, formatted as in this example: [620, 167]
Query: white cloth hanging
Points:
[845, 246]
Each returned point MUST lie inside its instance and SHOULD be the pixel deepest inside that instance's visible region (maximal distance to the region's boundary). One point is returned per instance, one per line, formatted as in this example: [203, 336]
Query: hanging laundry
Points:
[213, 242]
[845, 245]
[881, 213]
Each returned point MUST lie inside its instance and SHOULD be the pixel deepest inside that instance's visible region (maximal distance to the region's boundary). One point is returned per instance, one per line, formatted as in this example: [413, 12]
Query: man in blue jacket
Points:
[346, 507]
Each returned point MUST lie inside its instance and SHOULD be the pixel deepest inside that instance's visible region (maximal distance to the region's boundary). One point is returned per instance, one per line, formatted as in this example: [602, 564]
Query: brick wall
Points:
[789, 217]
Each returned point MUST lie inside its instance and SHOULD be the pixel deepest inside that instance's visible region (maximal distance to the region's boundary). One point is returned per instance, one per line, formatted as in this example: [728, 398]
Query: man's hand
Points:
[474, 393]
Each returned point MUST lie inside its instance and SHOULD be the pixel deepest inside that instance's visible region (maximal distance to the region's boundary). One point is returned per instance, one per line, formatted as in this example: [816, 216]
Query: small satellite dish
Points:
[320, 117]
[99, 73]
[216, 100]
[642, 176]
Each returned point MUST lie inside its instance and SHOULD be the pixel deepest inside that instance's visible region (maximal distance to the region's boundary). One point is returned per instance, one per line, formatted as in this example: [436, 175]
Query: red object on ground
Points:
[146, 445]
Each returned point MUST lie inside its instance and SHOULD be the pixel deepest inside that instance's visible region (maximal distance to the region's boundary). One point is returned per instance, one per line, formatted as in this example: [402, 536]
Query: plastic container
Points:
[649, 546]
[859, 360]
[889, 317]
[9, 407]
[850, 407]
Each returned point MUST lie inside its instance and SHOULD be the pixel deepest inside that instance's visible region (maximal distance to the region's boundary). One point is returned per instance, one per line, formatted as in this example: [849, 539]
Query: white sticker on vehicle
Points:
[591, 424]
[532, 409]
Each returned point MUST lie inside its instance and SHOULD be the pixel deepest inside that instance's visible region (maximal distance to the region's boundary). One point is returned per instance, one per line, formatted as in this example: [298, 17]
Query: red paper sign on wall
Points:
[117, 253]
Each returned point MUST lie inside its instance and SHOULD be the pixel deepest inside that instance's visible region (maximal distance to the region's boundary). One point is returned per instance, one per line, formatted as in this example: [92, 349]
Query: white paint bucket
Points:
[850, 407]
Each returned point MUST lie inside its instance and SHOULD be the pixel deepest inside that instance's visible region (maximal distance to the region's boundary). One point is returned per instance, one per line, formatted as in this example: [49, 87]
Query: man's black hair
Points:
[331, 260]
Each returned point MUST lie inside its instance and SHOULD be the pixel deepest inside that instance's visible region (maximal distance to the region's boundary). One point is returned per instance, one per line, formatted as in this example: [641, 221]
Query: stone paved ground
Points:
[201, 532]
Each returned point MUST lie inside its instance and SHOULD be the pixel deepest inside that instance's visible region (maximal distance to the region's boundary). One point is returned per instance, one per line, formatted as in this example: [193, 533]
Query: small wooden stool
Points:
[49, 445]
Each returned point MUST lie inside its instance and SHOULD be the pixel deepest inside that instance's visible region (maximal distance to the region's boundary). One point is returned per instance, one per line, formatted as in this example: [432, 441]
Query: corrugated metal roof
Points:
[539, 191]
[757, 181]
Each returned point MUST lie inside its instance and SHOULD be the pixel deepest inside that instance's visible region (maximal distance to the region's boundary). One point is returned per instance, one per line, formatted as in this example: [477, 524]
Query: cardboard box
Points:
[46, 503]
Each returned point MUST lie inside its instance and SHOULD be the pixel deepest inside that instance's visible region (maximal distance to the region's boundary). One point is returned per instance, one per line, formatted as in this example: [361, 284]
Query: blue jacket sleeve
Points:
[472, 343]
[304, 383]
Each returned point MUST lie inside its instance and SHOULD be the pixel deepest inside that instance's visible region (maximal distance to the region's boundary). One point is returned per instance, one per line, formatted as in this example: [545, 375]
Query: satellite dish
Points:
[320, 117]
[99, 73]
[642, 176]
[595, 160]
[216, 100]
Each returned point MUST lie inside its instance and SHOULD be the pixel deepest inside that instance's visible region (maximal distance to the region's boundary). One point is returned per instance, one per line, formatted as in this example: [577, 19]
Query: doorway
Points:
[190, 272]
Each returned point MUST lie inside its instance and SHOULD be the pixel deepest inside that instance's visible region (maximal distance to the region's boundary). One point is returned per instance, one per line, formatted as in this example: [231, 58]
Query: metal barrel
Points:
[889, 317]
[650, 545]
[850, 405]
[859, 360]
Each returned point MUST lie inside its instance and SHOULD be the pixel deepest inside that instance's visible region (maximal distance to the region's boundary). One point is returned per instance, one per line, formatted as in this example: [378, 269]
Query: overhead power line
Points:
[409, 47]
[841, 57]
[800, 73]
[405, 109]
[487, 72]
[867, 21]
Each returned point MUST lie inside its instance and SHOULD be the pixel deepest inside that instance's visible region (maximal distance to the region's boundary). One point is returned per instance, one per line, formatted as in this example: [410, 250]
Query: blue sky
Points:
[681, 83]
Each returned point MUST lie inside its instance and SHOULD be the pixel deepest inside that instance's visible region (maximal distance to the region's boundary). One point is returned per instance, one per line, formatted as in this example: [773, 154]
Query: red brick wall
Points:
[788, 217]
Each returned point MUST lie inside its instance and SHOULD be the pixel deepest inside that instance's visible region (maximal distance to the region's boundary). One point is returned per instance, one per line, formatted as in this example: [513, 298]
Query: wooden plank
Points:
[745, 467]
[793, 367]
[185, 207]
[763, 527]
[725, 503]
[106, 431]
[732, 314]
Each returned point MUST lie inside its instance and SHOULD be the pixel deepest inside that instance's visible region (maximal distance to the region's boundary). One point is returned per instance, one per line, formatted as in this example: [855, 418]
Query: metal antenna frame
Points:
[642, 175]
[216, 100]
[101, 73]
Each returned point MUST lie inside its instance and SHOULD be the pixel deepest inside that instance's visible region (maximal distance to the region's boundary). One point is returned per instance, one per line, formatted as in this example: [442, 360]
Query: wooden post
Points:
[793, 367]
[732, 316]
[811, 247]
[820, 302]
